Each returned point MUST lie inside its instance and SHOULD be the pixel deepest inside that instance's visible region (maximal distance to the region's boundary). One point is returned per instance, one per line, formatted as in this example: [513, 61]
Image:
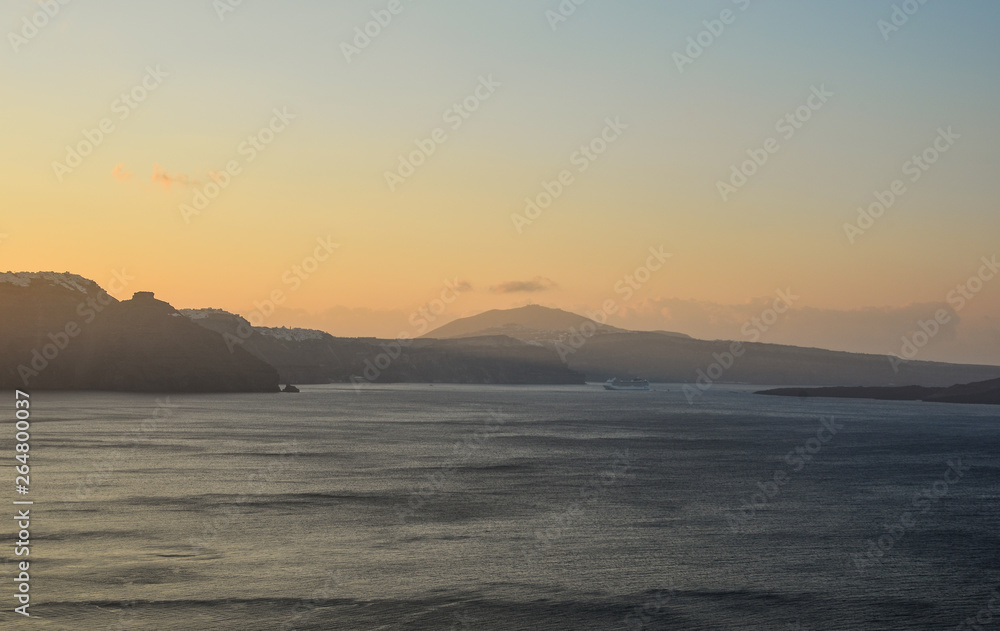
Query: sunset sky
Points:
[880, 95]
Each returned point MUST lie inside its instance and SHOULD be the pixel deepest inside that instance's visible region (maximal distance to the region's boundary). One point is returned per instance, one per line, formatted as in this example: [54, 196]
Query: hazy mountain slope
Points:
[305, 356]
[663, 358]
[672, 358]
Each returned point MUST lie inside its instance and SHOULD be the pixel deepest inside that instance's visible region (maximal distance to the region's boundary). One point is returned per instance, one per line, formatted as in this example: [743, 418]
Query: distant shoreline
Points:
[982, 393]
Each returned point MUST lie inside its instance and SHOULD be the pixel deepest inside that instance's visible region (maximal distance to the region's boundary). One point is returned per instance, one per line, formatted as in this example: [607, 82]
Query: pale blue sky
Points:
[658, 184]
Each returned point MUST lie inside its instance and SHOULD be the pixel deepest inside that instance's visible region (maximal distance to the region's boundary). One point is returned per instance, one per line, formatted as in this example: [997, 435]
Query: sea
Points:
[396, 507]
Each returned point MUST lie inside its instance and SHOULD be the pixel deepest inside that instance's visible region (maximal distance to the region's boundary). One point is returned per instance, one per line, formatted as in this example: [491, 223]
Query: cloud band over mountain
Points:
[536, 284]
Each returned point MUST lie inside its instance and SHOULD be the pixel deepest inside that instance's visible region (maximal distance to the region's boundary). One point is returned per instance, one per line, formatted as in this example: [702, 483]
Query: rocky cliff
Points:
[63, 332]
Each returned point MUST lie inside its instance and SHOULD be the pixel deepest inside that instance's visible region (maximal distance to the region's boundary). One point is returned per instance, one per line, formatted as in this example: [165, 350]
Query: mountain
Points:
[987, 392]
[532, 323]
[63, 332]
[308, 356]
[601, 352]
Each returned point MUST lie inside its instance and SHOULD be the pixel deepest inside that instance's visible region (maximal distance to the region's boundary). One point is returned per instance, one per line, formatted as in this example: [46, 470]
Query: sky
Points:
[244, 155]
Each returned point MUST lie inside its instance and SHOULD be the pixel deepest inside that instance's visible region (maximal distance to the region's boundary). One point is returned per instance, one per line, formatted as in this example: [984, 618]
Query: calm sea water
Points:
[454, 507]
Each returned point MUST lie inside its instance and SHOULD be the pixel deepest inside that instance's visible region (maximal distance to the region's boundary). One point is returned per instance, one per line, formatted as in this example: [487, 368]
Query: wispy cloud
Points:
[120, 173]
[160, 176]
[538, 283]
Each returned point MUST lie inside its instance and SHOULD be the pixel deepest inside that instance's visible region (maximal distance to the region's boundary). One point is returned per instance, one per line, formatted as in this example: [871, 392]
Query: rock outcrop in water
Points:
[63, 332]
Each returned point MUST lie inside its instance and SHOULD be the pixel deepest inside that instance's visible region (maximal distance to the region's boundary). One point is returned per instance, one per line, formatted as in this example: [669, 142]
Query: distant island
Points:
[982, 392]
[64, 332]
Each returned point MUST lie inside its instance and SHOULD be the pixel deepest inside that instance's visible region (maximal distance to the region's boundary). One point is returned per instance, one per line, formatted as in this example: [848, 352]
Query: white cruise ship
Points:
[626, 384]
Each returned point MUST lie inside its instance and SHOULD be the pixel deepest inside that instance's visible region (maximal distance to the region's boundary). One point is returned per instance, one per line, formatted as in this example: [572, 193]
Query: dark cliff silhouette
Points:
[63, 332]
